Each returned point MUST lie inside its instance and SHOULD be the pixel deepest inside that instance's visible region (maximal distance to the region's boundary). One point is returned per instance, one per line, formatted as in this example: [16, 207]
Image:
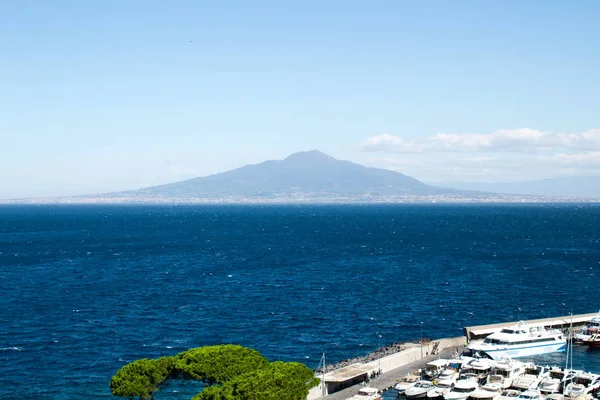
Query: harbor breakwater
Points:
[384, 360]
[428, 346]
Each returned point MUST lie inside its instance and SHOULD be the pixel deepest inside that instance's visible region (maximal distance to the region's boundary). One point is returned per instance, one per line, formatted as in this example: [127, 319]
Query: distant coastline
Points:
[303, 199]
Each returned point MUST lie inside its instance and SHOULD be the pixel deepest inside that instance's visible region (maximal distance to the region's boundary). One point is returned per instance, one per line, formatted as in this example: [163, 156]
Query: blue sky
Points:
[119, 94]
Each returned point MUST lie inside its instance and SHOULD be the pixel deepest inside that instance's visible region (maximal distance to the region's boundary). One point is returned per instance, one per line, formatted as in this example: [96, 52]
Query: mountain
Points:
[307, 173]
[303, 177]
[571, 187]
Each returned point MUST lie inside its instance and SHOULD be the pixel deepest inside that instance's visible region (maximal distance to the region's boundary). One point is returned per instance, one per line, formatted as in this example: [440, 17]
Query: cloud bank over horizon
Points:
[503, 155]
[503, 140]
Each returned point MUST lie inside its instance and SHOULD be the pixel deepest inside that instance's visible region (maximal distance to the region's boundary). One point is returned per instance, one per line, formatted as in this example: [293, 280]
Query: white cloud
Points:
[589, 140]
[504, 140]
[574, 159]
[501, 167]
[387, 142]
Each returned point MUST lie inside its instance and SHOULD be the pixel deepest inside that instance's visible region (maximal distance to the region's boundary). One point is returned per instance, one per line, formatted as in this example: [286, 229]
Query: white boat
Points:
[462, 390]
[593, 326]
[367, 393]
[482, 394]
[457, 363]
[555, 381]
[519, 341]
[582, 383]
[477, 369]
[434, 368]
[442, 388]
[448, 374]
[509, 394]
[503, 374]
[419, 390]
[530, 395]
[532, 377]
[406, 382]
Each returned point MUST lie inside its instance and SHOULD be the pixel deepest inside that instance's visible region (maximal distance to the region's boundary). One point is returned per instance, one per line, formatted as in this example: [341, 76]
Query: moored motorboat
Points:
[442, 388]
[406, 382]
[434, 368]
[509, 394]
[367, 393]
[592, 327]
[503, 373]
[531, 379]
[477, 369]
[449, 374]
[519, 341]
[419, 390]
[582, 383]
[462, 390]
[555, 381]
[530, 395]
[593, 341]
[483, 394]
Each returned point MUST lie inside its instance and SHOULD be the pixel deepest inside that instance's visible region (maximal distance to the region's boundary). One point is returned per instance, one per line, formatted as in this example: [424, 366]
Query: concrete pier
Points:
[345, 380]
[388, 379]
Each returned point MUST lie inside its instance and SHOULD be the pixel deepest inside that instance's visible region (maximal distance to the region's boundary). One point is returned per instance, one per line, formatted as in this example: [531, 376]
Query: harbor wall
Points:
[399, 359]
[412, 354]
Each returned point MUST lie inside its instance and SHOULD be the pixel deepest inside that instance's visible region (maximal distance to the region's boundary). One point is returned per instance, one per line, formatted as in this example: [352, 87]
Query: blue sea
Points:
[86, 289]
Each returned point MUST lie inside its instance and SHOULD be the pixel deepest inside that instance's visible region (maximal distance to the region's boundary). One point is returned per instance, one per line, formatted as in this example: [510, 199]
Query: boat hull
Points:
[416, 396]
[525, 351]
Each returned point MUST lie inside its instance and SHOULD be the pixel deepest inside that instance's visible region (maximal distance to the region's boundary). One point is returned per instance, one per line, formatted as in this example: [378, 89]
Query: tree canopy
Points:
[141, 378]
[218, 364]
[229, 372]
[279, 380]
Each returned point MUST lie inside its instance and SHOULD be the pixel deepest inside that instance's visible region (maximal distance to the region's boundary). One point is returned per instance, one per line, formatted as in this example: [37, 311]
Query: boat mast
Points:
[568, 349]
[571, 344]
[324, 388]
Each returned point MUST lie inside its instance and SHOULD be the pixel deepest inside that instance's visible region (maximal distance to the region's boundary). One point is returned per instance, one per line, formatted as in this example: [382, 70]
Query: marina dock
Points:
[343, 383]
[388, 380]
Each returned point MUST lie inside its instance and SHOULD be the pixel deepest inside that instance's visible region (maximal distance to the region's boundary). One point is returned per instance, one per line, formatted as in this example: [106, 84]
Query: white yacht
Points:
[434, 368]
[530, 395]
[482, 394]
[419, 390]
[462, 390]
[448, 374]
[532, 378]
[367, 393]
[519, 341]
[406, 382]
[503, 373]
[442, 388]
[582, 383]
[457, 363]
[477, 369]
[509, 394]
[555, 381]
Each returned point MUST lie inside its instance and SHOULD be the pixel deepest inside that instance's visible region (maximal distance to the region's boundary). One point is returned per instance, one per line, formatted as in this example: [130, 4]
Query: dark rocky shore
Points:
[376, 355]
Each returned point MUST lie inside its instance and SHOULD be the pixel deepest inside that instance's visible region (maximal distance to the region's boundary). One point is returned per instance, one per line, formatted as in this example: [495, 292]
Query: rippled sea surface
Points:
[86, 289]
